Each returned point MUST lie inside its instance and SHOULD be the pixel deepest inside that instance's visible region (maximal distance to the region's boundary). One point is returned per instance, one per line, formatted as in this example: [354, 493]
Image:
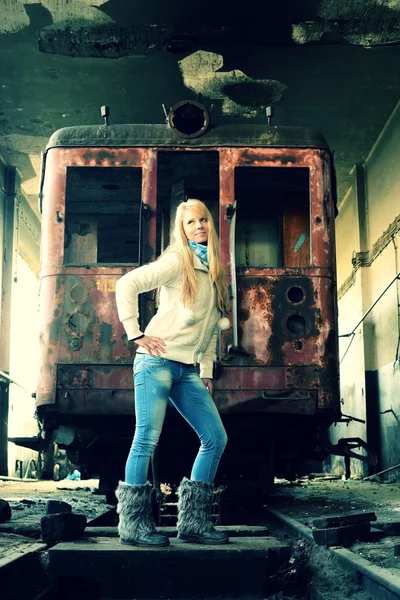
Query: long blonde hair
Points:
[179, 243]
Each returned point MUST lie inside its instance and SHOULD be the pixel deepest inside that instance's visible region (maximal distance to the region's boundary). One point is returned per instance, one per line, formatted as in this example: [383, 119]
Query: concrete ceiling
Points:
[330, 65]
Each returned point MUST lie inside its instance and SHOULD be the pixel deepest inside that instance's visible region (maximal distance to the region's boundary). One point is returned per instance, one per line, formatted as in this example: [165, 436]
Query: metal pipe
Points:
[381, 472]
[2, 374]
[232, 261]
[371, 307]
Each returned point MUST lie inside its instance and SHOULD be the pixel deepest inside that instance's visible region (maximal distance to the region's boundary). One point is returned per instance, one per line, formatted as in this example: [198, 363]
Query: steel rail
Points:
[378, 581]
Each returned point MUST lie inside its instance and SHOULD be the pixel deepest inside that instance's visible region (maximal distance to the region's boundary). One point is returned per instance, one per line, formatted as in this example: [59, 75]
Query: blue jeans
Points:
[158, 380]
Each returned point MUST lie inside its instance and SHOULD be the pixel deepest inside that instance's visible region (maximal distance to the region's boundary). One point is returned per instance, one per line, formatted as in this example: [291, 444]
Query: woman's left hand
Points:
[209, 385]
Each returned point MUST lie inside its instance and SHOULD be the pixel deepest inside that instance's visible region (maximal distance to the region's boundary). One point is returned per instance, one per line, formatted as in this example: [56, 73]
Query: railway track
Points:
[276, 560]
[375, 582]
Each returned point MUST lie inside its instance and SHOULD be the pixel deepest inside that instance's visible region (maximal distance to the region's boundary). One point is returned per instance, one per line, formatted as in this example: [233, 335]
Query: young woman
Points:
[193, 297]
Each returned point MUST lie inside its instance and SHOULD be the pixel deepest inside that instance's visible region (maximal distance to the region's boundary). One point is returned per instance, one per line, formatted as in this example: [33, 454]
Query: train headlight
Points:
[296, 324]
[295, 295]
[188, 119]
[77, 324]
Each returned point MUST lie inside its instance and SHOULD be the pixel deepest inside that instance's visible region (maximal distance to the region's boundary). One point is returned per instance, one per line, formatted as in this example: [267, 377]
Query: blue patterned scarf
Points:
[200, 251]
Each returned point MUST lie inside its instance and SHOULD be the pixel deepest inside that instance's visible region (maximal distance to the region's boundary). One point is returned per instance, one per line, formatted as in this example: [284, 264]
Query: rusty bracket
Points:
[234, 352]
[349, 418]
[345, 446]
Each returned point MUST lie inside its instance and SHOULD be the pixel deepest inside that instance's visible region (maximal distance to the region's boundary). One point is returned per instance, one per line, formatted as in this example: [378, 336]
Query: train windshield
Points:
[182, 175]
[273, 217]
[102, 215]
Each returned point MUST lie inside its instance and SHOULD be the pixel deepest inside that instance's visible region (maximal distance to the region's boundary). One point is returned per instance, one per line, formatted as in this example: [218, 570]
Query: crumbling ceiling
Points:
[333, 66]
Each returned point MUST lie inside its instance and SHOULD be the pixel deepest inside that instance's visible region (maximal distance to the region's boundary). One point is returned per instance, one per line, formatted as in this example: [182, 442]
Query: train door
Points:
[182, 174]
[272, 235]
[266, 234]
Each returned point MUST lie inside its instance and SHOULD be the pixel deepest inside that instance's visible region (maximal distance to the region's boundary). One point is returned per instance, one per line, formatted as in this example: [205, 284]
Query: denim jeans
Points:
[157, 381]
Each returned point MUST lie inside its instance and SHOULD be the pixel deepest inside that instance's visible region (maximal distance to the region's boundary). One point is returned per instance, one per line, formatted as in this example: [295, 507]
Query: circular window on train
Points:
[296, 324]
[295, 295]
[79, 294]
[77, 323]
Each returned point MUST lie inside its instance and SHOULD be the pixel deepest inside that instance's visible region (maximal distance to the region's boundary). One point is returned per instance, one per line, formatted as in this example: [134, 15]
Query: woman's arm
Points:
[129, 286]
[208, 357]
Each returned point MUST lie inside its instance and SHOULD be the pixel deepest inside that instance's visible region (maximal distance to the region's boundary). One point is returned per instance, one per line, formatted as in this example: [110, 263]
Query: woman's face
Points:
[196, 228]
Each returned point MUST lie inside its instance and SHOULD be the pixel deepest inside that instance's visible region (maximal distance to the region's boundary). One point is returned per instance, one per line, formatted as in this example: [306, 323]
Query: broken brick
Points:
[5, 511]
[341, 536]
[62, 527]
[343, 520]
[57, 506]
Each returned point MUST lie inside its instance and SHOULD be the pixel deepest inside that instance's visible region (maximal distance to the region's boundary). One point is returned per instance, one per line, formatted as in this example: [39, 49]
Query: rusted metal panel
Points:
[243, 135]
[280, 370]
[275, 330]
[96, 377]
[95, 402]
[95, 389]
[247, 401]
[78, 317]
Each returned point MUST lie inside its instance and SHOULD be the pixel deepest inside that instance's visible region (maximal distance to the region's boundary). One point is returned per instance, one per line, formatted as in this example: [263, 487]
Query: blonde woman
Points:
[193, 298]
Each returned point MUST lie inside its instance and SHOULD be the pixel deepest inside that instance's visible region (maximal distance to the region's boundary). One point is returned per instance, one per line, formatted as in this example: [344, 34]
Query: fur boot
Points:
[194, 514]
[136, 523]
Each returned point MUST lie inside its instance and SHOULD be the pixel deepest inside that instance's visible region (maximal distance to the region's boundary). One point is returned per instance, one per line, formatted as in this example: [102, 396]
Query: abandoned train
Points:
[108, 196]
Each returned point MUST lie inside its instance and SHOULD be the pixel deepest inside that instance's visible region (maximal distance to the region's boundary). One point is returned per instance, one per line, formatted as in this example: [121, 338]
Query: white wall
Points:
[367, 230]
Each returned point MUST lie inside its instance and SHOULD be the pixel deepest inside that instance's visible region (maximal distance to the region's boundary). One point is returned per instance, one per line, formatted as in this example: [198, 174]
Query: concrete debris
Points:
[103, 41]
[5, 511]
[57, 506]
[342, 536]
[343, 520]
[241, 95]
[344, 529]
[62, 527]
[389, 527]
[367, 32]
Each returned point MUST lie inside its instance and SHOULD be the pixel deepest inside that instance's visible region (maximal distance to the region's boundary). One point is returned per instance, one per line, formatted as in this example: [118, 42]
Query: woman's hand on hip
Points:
[152, 345]
[209, 385]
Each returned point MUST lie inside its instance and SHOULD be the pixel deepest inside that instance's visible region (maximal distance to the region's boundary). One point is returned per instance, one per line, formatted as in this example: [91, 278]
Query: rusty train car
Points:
[107, 199]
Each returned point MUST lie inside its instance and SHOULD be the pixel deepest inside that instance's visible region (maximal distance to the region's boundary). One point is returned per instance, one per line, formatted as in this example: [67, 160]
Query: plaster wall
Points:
[383, 178]
[24, 367]
[367, 231]
[2, 182]
[347, 220]
[23, 288]
[352, 378]
[382, 351]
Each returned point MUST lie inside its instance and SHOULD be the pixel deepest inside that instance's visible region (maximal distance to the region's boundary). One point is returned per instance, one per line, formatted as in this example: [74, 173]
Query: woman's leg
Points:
[153, 380]
[195, 495]
[191, 398]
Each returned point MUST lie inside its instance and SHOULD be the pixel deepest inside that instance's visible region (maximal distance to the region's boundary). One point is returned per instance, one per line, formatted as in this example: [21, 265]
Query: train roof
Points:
[231, 135]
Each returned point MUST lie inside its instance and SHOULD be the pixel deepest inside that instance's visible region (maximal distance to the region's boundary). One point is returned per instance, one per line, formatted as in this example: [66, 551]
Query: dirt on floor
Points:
[309, 499]
[28, 502]
[305, 500]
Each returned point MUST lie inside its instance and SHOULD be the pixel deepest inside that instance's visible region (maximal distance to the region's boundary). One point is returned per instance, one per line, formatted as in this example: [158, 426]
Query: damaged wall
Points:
[19, 270]
[367, 231]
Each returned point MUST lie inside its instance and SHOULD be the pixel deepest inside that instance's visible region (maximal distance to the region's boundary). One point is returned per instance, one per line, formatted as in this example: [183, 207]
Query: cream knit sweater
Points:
[190, 335]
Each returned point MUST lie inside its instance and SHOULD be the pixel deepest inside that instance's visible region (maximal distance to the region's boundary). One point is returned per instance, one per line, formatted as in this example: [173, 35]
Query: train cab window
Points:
[102, 215]
[272, 217]
[182, 175]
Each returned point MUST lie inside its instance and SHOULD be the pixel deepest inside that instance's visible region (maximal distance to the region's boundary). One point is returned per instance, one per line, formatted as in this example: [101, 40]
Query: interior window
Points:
[273, 217]
[102, 215]
[182, 175]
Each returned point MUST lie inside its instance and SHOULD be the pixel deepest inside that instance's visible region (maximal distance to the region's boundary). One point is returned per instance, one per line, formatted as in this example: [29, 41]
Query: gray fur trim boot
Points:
[136, 523]
[194, 514]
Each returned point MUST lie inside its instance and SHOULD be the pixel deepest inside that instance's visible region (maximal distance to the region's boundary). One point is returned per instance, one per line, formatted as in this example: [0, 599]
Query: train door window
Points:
[182, 175]
[273, 217]
[102, 215]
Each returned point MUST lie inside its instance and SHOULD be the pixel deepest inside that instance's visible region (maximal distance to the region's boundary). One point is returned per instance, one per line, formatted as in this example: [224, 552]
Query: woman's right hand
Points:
[152, 345]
